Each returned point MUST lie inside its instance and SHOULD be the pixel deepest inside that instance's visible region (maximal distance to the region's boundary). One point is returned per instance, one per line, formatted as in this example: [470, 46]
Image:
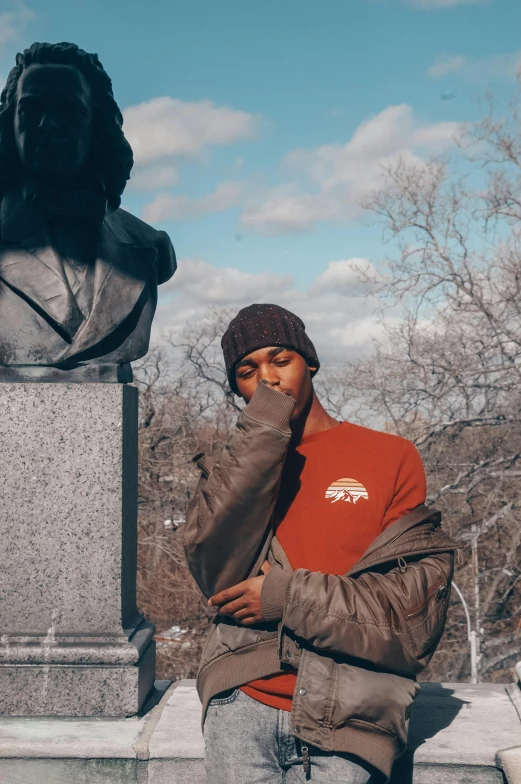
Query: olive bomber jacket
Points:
[357, 640]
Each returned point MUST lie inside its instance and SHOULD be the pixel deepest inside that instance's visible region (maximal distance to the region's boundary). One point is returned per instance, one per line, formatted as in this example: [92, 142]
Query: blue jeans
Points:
[247, 742]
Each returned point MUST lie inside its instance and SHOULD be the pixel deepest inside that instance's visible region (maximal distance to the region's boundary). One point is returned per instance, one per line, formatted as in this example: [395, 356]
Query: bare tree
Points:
[186, 407]
[448, 377]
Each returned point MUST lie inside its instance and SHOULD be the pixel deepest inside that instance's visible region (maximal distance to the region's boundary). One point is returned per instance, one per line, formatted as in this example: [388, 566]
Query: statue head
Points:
[60, 124]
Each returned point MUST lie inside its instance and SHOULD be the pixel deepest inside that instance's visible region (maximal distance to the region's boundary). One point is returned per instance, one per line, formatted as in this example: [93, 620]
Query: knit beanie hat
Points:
[259, 326]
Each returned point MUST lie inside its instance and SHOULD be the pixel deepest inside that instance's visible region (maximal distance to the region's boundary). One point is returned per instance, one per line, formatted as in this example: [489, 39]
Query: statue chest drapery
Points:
[57, 309]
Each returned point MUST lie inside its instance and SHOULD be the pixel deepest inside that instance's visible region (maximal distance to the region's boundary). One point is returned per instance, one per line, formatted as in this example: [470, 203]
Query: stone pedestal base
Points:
[71, 640]
[77, 690]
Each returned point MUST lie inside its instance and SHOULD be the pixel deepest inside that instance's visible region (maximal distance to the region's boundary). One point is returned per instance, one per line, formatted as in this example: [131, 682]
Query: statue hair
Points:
[111, 153]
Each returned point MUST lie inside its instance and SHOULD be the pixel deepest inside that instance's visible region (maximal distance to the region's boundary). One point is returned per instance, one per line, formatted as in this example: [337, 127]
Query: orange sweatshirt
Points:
[340, 488]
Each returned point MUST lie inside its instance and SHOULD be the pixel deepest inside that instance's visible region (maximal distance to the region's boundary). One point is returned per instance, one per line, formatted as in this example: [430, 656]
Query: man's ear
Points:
[312, 369]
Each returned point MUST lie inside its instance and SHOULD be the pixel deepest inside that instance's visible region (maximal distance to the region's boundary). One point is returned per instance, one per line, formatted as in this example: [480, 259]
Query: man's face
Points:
[285, 370]
[53, 121]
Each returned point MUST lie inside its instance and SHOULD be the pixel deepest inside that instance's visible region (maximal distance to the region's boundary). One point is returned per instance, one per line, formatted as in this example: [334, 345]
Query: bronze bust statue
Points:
[78, 275]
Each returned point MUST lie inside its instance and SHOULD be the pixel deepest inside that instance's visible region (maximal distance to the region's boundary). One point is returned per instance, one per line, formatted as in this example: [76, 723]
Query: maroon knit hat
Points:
[259, 326]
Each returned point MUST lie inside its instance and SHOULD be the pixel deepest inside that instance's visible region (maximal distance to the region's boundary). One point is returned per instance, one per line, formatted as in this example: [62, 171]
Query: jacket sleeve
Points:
[394, 620]
[229, 515]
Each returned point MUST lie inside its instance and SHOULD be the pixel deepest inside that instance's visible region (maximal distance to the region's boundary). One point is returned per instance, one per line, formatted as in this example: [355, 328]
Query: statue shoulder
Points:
[142, 234]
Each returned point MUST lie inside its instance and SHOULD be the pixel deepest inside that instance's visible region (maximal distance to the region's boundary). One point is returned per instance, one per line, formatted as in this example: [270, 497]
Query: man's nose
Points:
[270, 375]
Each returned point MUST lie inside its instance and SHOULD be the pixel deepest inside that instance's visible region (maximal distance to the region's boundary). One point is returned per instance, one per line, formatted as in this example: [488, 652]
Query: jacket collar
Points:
[398, 539]
[417, 533]
[29, 265]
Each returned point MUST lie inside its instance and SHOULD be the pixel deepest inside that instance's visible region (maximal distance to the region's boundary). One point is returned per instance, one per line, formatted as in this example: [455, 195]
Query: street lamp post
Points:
[472, 638]
[475, 577]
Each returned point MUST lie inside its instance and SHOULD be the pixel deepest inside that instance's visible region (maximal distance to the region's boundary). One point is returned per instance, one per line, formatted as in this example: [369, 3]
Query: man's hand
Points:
[242, 601]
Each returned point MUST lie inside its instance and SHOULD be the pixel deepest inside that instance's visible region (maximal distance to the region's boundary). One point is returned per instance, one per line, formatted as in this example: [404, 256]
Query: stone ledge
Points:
[458, 733]
[509, 761]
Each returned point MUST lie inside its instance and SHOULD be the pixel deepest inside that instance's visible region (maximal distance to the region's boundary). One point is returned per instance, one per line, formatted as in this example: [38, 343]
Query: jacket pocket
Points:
[426, 620]
[204, 463]
[381, 699]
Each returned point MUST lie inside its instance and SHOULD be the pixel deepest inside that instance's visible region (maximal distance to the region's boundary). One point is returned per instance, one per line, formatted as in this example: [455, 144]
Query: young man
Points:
[330, 577]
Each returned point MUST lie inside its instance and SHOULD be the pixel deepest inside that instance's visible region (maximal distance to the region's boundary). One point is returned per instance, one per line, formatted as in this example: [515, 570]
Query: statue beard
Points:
[86, 203]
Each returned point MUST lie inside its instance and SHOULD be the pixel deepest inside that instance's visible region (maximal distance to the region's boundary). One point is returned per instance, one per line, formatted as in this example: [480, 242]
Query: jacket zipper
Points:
[436, 590]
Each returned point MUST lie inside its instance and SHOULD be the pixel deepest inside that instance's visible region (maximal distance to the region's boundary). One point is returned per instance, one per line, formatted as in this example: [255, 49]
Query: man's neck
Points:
[314, 421]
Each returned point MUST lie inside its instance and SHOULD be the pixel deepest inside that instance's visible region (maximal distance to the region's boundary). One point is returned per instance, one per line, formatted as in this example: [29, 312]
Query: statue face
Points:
[53, 121]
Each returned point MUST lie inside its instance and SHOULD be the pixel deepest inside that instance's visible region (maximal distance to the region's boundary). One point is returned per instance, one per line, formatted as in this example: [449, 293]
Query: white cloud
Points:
[340, 275]
[434, 5]
[150, 178]
[208, 285]
[341, 174]
[14, 22]
[477, 69]
[445, 65]
[168, 128]
[340, 323]
[286, 211]
[167, 206]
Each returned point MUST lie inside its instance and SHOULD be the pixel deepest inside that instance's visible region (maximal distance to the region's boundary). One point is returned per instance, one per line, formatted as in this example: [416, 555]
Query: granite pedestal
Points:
[71, 640]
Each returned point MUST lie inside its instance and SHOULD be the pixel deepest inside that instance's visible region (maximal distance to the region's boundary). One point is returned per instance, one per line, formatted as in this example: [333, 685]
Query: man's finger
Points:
[241, 615]
[228, 595]
[232, 607]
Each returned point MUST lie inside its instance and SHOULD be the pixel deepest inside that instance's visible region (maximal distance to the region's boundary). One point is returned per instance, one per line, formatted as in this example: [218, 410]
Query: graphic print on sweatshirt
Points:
[349, 490]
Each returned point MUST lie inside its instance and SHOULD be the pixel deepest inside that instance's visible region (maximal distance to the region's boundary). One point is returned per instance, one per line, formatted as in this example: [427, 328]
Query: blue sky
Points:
[257, 126]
